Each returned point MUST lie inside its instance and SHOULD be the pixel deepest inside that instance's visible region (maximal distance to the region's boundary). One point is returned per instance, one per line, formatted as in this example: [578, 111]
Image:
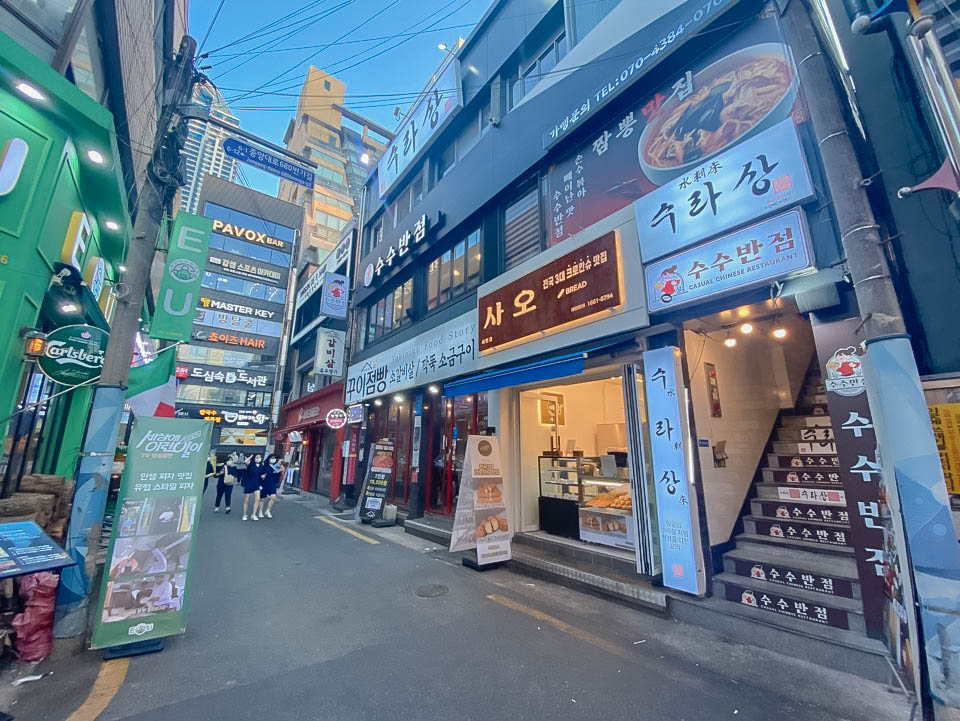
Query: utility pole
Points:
[100, 441]
[916, 494]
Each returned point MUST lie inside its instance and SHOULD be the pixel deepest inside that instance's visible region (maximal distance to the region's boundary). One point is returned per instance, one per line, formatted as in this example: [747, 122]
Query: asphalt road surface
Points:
[296, 619]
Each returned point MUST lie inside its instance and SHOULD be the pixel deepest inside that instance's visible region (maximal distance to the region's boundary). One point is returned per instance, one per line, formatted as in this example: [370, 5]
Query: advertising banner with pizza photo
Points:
[481, 518]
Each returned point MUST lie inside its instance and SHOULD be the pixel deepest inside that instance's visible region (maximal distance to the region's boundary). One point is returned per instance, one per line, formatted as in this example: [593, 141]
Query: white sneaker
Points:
[216, 509]
[254, 518]
[261, 514]
[244, 518]
[269, 515]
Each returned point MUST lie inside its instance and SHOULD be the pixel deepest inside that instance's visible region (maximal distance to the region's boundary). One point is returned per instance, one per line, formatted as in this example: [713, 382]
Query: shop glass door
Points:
[642, 482]
[401, 425]
[461, 417]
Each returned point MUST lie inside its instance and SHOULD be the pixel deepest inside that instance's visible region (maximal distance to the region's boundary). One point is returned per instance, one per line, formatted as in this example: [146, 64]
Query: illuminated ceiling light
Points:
[398, 398]
[779, 333]
[746, 328]
[378, 402]
[365, 158]
[434, 390]
[95, 156]
[442, 46]
[112, 225]
[469, 399]
[743, 312]
[29, 91]
[122, 268]
[69, 307]
[730, 341]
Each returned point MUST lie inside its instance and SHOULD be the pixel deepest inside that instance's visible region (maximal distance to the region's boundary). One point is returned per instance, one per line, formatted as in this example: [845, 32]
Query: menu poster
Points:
[25, 548]
[377, 483]
[481, 517]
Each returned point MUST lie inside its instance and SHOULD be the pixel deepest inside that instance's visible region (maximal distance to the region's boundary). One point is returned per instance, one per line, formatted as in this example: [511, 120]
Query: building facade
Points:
[228, 373]
[73, 135]
[572, 245]
[345, 146]
[203, 149]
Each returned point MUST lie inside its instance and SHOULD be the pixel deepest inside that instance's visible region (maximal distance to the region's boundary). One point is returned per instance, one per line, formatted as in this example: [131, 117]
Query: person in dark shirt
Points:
[251, 480]
[268, 489]
[225, 482]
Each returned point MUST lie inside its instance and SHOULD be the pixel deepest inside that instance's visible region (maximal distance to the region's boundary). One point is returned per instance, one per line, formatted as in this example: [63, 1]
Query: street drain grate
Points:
[432, 590]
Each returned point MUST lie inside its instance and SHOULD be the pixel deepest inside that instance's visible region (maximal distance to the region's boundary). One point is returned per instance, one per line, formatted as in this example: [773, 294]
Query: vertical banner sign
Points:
[376, 485]
[147, 576]
[676, 497]
[917, 503]
[481, 517]
[182, 275]
[841, 367]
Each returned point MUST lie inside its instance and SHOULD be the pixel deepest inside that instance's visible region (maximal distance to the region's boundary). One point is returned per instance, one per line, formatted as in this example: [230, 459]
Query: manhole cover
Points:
[432, 590]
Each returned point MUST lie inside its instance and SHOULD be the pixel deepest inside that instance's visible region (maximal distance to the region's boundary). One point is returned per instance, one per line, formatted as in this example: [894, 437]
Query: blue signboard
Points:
[669, 451]
[25, 548]
[268, 162]
[748, 257]
[757, 177]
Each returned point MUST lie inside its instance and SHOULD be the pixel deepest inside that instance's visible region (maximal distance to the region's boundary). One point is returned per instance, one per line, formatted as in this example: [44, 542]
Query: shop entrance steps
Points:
[430, 527]
[610, 574]
[792, 568]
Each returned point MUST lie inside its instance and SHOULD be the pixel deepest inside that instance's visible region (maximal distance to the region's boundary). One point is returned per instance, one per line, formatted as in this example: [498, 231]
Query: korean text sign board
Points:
[755, 178]
[429, 115]
[25, 548]
[674, 489]
[481, 517]
[743, 86]
[328, 356]
[841, 366]
[334, 297]
[660, 38]
[311, 285]
[269, 162]
[582, 283]
[147, 578]
[945, 418]
[758, 254]
[376, 486]
[434, 355]
[182, 276]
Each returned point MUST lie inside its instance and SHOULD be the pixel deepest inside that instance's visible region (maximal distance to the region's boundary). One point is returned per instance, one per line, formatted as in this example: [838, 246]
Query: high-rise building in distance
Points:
[203, 149]
[345, 146]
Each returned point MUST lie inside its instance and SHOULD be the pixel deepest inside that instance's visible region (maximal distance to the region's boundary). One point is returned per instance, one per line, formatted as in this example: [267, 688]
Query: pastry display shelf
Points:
[606, 510]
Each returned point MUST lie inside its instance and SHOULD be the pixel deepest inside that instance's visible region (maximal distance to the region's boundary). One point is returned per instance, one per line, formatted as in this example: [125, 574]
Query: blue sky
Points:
[406, 32]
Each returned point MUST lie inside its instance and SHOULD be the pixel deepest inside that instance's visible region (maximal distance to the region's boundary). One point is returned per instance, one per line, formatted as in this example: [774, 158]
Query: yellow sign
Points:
[75, 241]
[254, 236]
[945, 418]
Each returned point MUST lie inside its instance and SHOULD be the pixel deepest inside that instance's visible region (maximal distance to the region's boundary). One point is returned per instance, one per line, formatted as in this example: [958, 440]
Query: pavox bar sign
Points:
[254, 236]
[582, 283]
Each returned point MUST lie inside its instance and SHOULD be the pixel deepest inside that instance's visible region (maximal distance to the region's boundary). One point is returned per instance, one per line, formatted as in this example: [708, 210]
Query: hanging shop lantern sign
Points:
[74, 354]
[336, 418]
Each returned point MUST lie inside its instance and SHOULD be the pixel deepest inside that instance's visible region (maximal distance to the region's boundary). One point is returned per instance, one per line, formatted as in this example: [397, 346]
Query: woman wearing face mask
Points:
[252, 478]
[268, 489]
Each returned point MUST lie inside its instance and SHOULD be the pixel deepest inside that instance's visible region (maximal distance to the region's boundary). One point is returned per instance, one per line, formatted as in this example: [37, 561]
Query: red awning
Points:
[311, 409]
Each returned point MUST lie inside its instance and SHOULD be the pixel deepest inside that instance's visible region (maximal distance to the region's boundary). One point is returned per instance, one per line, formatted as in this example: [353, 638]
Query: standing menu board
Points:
[25, 548]
[145, 584]
[481, 518]
[377, 483]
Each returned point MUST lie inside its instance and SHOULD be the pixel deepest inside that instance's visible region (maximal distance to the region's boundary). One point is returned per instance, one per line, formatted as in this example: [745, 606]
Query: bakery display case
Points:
[587, 498]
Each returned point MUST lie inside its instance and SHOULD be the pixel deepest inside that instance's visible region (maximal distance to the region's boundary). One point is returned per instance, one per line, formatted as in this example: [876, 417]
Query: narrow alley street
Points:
[300, 618]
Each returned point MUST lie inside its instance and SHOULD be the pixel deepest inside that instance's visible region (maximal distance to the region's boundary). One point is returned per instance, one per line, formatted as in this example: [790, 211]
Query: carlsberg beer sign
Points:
[147, 580]
[74, 354]
[182, 276]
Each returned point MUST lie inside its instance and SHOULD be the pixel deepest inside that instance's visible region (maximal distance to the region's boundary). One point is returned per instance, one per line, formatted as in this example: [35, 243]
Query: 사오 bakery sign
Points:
[568, 289]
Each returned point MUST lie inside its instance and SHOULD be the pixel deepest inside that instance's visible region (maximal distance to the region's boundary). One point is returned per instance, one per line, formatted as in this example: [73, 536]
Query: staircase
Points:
[793, 567]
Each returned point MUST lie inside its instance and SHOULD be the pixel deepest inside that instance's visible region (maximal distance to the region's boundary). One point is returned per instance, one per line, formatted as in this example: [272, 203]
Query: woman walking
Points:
[268, 489]
[252, 478]
[225, 481]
